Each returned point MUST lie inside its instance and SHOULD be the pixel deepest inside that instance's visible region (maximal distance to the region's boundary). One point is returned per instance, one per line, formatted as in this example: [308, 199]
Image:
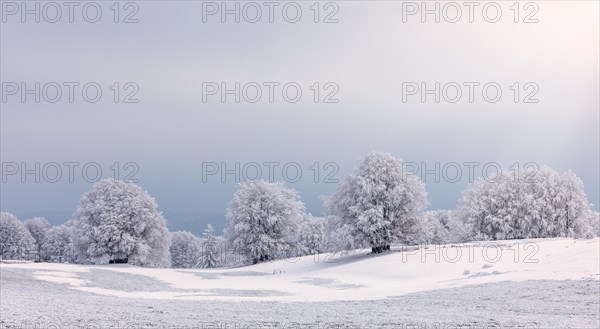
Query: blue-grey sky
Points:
[369, 53]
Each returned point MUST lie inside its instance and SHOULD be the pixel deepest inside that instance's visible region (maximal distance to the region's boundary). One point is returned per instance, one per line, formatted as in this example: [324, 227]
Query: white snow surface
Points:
[391, 290]
[357, 276]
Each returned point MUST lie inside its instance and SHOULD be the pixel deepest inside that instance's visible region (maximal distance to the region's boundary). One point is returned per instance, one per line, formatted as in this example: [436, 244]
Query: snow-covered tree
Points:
[15, 240]
[435, 227]
[186, 250]
[525, 204]
[509, 206]
[210, 249]
[57, 246]
[229, 256]
[575, 207]
[458, 231]
[379, 205]
[262, 219]
[38, 227]
[594, 221]
[311, 235]
[338, 236]
[119, 221]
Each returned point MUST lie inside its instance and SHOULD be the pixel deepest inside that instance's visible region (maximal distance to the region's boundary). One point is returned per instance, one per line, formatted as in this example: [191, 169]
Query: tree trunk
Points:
[380, 249]
[262, 258]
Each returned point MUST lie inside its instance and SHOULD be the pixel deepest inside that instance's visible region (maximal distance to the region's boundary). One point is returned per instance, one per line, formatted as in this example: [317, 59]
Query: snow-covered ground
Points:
[543, 283]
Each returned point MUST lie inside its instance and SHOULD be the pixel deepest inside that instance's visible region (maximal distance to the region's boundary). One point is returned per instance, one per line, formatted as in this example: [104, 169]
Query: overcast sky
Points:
[367, 58]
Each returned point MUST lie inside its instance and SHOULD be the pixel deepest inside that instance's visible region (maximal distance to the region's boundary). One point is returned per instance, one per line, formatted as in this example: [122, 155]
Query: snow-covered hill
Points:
[330, 277]
[546, 283]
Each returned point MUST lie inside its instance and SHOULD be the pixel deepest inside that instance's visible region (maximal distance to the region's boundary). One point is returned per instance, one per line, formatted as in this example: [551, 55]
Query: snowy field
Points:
[544, 283]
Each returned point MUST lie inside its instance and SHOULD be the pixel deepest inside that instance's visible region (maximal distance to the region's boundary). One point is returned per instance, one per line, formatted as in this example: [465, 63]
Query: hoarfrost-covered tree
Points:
[262, 219]
[458, 231]
[228, 255]
[38, 227]
[209, 248]
[379, 205]
[575, 207]
[498, 207]
[594, 220]
[186, 250]
[311, 235]
[525, 204]
[57, 246]
[435, 227]
[340, 237]
[15, 240]
[119, 221]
